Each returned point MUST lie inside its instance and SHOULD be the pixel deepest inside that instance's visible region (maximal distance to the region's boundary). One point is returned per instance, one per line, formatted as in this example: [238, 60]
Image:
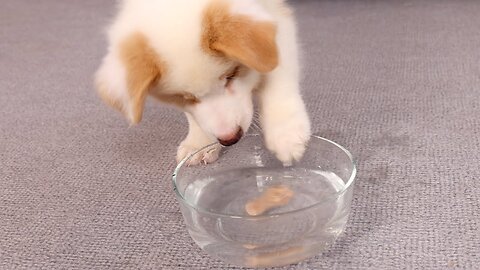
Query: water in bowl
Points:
[310, 222]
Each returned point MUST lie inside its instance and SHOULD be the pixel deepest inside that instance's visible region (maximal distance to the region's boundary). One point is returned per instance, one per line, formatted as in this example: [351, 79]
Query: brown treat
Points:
[271, 259]
[273, 197]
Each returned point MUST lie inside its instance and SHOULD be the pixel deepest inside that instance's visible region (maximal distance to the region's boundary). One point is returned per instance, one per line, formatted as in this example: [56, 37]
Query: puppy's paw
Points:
[206, 156]
[287, 138]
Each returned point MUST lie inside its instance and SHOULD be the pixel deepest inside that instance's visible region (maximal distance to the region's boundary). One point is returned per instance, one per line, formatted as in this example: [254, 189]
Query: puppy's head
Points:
[206, 60]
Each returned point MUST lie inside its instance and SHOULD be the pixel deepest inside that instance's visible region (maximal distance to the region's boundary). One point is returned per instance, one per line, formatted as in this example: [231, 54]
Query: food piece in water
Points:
[274, 196]
[250, 246]
[276, 258]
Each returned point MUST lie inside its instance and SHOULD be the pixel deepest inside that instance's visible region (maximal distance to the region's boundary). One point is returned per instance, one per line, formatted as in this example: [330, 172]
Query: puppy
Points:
[209, 58]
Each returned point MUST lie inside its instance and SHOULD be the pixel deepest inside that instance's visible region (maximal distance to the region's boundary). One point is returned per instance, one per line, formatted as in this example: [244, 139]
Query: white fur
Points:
[109, 72]
[250, 8]
[173, 29]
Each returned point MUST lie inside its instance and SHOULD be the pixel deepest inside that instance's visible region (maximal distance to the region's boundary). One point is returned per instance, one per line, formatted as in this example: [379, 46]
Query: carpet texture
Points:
[396, 82]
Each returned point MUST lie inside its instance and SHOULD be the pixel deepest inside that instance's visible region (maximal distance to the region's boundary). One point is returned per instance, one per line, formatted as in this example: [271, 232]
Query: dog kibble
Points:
[274, 196]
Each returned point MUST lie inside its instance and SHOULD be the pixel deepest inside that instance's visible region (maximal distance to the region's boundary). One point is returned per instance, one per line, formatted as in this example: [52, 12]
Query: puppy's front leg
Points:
[195, 140]
[284, 119]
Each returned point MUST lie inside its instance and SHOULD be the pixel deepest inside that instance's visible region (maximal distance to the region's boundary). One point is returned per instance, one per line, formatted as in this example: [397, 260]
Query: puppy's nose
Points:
[231, 139]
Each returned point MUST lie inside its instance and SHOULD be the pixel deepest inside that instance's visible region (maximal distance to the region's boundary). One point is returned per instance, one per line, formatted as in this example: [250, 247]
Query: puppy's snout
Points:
[231, 139]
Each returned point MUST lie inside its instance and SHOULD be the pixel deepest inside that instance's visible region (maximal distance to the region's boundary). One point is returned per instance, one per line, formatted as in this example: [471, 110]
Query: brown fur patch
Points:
[239, 37]
[144, 69]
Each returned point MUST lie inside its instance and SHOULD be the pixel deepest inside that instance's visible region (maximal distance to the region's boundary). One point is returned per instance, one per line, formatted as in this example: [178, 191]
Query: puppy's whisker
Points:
[257, 122]
[257, 128]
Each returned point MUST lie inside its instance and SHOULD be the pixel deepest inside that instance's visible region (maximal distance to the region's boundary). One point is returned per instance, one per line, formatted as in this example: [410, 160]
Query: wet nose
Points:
[231, 139]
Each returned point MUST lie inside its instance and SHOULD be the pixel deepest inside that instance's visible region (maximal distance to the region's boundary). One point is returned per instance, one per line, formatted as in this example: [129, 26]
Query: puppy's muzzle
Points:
[232, 138]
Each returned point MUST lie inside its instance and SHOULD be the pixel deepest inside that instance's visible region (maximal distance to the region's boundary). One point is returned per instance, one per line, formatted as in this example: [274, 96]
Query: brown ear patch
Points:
[239, 37]
[143, 67]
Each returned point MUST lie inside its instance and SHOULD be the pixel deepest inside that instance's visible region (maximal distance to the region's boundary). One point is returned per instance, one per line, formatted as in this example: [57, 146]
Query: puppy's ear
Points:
[127, 74]
[242, 31]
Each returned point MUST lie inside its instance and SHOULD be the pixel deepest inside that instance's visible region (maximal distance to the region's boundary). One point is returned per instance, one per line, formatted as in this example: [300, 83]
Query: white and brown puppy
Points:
[209, 57]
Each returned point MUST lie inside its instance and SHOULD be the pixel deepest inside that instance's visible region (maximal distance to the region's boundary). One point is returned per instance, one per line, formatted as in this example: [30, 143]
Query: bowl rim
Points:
[218, 214]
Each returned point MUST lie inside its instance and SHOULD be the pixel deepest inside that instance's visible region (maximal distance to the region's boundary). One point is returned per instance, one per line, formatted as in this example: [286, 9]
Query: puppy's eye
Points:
[229, 80]
[231, 76]
[190, 98]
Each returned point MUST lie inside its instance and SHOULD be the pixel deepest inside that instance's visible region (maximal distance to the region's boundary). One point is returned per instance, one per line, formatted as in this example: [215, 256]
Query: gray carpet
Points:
[397, 82]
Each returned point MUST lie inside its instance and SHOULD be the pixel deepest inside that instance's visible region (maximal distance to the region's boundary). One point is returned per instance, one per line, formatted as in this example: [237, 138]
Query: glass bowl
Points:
[247, 209]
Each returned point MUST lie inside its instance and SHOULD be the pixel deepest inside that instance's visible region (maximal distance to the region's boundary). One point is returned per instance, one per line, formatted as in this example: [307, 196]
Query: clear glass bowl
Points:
[232, 212]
